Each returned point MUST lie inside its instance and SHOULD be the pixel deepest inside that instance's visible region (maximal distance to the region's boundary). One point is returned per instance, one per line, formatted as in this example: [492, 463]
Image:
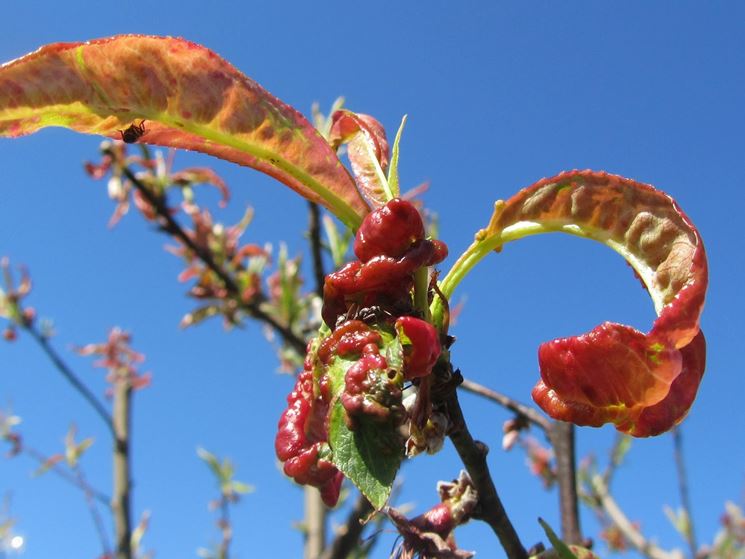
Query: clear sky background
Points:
[498, 96]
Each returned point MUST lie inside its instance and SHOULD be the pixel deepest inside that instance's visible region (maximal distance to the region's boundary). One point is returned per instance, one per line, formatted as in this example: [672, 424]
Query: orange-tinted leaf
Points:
[187, 96]
[643, 383]
[367, 148]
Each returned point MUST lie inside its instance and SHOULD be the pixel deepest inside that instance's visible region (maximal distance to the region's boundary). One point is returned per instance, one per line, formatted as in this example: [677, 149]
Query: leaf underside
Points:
[189, 98]
[644, 383]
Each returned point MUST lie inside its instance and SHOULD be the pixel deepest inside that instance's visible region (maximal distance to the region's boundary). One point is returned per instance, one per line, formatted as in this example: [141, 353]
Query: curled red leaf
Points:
[643, 383]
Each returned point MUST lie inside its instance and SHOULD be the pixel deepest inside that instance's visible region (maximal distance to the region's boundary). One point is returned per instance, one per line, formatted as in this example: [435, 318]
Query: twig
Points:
[490, 509]
[66, 372]
[171, 226]
[630, 532]
[95, 514]
[530, 414]
[685, 496]
[615, 458]
[561, 436]
[73, 480]
[226, 530]
[122, 482]
[348, 535]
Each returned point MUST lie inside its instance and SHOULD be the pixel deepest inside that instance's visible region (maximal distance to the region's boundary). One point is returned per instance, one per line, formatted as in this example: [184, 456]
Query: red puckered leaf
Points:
[188, 97]
[367, 148]
[643, 383]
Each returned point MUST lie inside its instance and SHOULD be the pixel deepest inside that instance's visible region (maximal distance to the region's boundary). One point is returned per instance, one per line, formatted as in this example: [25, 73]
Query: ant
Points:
[133, 133]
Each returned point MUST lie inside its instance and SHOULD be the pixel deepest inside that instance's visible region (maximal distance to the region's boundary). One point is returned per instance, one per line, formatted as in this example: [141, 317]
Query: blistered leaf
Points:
[187, 96]
[367, 148]
[369, 456]
[643, 383]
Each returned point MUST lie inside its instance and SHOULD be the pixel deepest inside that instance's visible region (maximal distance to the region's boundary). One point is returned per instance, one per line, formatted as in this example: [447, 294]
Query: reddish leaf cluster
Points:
[119, 358]
[391, 247]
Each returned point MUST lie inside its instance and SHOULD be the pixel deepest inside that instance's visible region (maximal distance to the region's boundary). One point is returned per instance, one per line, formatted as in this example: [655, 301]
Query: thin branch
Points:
[685, 496]
[171, 226]
[561, 436]
[70, 376]
[473, 454]
[95, 514]
[616, 456]
[530, 414]
[316, 249]
[75, 481]
[348, 536]
[226, 529]
[630, 532]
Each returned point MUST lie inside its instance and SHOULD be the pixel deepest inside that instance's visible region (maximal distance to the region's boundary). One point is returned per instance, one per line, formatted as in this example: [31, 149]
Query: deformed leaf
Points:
[643, 383]
[367, 148]
[369, 456]
[187, 96]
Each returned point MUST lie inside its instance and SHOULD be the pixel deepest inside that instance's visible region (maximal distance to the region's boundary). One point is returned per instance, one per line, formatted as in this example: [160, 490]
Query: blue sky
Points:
[498, 95]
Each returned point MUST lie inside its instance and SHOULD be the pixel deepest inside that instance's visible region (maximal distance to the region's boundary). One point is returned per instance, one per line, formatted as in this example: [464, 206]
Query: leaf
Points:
[393, 183]
[48, 464]
[369, 456]
[643, 383]
[561, 548]
[189, 98]
[211, 461]
[367, 148]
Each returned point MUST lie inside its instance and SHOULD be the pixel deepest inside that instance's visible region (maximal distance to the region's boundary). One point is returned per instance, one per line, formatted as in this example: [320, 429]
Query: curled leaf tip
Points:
[644, 383]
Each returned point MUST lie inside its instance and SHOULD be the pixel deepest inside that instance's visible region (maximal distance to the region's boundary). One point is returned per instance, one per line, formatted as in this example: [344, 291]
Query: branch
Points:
[66, 372]
[122, 481]
[171, 226]
[348, 536]
[630, 532]
[473, 454]
[314, 233]
[529, 414]
[315, 523]
[561, 436]
[685, 496]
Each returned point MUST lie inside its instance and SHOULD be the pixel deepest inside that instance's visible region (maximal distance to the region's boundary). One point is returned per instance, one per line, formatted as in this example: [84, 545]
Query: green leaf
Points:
[188, 98]
[561, 548]
[212, 462]
[393, 183]
[369, 456]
